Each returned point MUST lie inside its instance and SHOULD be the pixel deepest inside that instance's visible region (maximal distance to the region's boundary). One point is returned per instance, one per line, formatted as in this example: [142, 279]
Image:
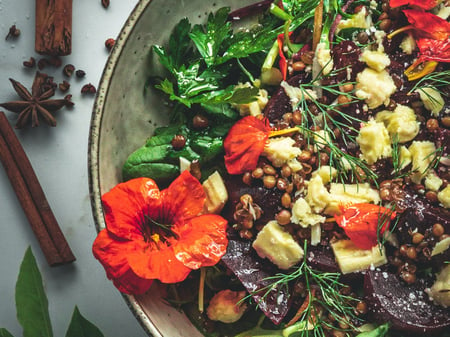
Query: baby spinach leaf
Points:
[5, 333]
[31, 300]
[81, 327]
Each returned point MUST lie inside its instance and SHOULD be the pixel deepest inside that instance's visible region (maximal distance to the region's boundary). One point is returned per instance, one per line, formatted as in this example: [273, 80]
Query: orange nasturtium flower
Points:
[428, 24]
[152, 234]
[364, 223]
[425, 4]
[245, 142]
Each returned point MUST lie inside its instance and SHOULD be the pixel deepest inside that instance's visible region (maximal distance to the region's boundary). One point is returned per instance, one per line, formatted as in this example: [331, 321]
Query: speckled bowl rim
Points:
[93, 148]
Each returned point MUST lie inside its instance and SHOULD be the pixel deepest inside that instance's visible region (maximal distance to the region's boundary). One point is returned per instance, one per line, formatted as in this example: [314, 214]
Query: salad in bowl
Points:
[300, 186]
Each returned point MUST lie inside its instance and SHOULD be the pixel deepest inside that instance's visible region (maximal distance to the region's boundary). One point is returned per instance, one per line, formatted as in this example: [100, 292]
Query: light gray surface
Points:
[59, 157]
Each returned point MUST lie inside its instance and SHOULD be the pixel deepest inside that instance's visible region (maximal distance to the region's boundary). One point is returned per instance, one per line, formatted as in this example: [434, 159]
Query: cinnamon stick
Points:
[53, 27]
[32, 198]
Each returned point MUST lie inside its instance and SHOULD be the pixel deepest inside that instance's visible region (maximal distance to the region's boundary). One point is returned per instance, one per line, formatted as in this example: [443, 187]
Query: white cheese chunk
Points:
[374, 142]
[432, 100]
[401, 123]
[375, 60]
[302, 214]
[444, 197]
[439, 292]
[341, 194]
[280, 150]
[296, 95]
[317, 196]
[273, 243]
[374, 87]
[422, 155]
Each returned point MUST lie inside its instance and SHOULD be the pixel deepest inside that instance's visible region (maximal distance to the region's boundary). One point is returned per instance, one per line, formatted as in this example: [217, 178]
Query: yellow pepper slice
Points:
[420, 69]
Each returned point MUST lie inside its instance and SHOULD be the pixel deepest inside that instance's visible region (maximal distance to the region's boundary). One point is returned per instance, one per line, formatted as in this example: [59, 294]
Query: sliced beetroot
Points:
[322, 258]
[253, 272]
[280, 103]
[406, 308]
[347, 53]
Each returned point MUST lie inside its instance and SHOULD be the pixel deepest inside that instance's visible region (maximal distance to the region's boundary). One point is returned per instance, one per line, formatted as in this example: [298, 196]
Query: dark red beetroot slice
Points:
[253, 272]
[407, 308]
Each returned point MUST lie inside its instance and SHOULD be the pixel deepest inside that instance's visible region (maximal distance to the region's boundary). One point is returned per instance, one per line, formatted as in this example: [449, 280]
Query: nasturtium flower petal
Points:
[364, 223]
[244, 144]
[112, 254]
[184, 198]
[434, 50]
[203, 241]
[127, 205]
[428, 23]
[424, 4]
[147, 229]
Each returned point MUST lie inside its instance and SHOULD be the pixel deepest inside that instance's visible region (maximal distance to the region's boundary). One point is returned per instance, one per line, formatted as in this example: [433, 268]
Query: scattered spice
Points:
[80, 73]
[68, 99]
[68, 70]
[30, 63]
[105, 3]
[13, 32]
[88, 89]
[64, 86]
[35, 104]
[109, 43]
[42, 63]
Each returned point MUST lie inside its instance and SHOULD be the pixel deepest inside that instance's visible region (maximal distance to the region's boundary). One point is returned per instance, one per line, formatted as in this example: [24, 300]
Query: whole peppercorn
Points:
[178, 142]
[109, 43]
[88, 89]
[80, 73]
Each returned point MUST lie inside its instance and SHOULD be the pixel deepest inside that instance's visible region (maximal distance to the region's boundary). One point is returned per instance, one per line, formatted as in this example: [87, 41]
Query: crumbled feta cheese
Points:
[379, 37]
[278, 246]
[433, 182]
[439, 291]
[297, 95]
[405, 157]
[401, 122]
[375, 87]
[327, 173]
[350, 193]
[281, 150]
[302, 214]
[422, 155]
[356, 21]
[432, 100]
[444, 197]
[375, 59]
[317, 196]
[408, 44]
[321, 139]
[374, 142]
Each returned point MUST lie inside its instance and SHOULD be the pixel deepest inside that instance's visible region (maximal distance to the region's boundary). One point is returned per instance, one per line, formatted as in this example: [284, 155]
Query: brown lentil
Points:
[297, 117]
[268, 169]
[431, 196]
[286, 171]
[411, 253]
[432, 124]
[269, 181]
[385, 24]
[286, 200]
[307, 57]
[245, 234]
[200, 122]
[417, 238]
[344, 100]
[247, 178]
[298, 66]
[257, 173]
[347, 87]
[446, 121]
[437, 230]
[283, 217]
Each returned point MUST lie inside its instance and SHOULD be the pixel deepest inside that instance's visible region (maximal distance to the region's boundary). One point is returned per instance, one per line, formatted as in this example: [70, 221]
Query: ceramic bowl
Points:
[125, 115]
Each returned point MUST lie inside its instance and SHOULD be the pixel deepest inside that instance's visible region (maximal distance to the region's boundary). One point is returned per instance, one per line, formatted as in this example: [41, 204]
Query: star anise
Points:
[35, 105]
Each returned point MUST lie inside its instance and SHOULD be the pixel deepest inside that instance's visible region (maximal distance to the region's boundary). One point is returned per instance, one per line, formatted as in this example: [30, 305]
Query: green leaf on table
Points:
[81, 327]
[5, 333]
[31, 300]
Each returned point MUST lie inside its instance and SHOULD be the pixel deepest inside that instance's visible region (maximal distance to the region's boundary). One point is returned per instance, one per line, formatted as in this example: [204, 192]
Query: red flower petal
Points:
[425, 4]
[203, 241]
[111, 254]
[428, 23]
[283, 61]
[434, 50]
[183, 199]
[244, 144]
[125, 204]
[361, 221]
